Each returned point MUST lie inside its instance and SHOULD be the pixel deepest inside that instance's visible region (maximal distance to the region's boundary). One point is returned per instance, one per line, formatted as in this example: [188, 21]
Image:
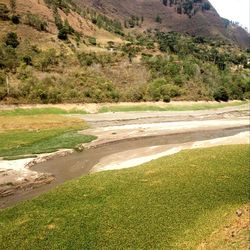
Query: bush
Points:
[15, 19]
[170, 90]
[221, 94]
[8, 58]
[2, 78]
[27, 60]
[24, 72]
[178, 81]
[87, 59]
[63, 34]
[160, 89]
[92, 41]
[4, 12]
[166, 98]
[3, 92]
[46, 59]
[36, 22]
[12, 40]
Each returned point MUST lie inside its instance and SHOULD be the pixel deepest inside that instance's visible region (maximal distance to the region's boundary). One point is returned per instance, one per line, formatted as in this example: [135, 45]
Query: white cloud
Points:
[235, 10]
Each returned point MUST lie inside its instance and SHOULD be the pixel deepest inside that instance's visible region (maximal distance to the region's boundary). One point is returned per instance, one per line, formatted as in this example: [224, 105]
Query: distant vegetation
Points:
[106, 23]
[179, 67]
[188, 7]
[35, 21]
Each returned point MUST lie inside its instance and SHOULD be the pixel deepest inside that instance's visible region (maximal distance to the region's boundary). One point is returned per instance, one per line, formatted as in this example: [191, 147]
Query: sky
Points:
[228, 9]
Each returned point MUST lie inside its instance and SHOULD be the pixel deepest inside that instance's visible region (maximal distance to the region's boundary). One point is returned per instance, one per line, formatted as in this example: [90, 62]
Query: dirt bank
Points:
[132, 158]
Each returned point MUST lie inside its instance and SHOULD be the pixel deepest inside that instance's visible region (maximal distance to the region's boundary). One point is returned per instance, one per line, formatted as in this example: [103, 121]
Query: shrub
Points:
[2, 78]
[27, 60]
[63, 34]
[4, 11]
[46, 59]
[24, 72]
[158, 19]
[166, 98]
[154, 89]
[36, 22]
[92, 41]
[12, 40]
[8, 58]
[87, 59]
[191, 69]
[221, 94]
[15, 19]
[68, 28]
[178, 80]
[173, 69]
[170, 90]
[3, 92]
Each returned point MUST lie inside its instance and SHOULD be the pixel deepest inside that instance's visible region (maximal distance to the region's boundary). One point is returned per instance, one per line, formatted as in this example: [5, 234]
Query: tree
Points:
[62, 34]
[221, 94]
[12, 40]
[15, 19]
[158, 19]
[206, 6]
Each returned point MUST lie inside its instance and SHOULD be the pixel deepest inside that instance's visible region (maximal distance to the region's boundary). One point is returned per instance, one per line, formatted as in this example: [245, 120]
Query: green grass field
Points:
[16, 144]
[25, 132]
[167, 107]
[171, 203]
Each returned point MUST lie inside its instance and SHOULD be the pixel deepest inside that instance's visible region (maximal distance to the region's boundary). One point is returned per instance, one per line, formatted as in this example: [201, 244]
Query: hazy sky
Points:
[235, 10]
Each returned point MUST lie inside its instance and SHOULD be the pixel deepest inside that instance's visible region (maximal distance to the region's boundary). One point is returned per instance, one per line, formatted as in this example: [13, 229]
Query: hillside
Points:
[195, 17]
[107, 51]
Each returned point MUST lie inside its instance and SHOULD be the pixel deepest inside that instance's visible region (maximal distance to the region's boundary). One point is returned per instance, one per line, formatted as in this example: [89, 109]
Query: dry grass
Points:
[233, 236]
[39, 133]
[38, 122]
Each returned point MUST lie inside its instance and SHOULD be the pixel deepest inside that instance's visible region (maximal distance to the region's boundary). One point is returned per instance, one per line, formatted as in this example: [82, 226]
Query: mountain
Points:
[194, 17]
[54, 51]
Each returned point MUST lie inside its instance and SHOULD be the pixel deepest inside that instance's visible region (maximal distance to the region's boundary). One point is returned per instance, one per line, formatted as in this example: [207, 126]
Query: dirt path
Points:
[93, 108]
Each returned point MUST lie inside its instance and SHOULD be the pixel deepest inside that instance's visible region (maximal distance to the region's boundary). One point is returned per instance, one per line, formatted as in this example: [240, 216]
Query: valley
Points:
[106, 141]
[123, 125]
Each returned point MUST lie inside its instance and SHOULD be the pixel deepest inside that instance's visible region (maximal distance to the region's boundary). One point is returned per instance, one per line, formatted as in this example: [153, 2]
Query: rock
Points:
[239, 212]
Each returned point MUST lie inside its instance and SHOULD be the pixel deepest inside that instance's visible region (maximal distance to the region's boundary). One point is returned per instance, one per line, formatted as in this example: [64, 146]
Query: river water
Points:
[80, 163]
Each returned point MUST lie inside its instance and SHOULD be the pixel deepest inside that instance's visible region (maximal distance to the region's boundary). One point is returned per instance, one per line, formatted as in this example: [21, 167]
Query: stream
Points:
[79, 164]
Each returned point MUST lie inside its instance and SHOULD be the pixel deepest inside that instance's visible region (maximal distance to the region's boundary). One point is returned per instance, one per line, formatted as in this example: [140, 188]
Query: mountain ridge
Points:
[199, 21]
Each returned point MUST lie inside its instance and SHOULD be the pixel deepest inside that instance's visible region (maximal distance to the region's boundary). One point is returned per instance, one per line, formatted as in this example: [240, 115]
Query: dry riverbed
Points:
[18, 175]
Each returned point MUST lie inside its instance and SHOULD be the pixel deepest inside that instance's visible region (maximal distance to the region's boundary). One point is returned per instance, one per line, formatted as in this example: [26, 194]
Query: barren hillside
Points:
[172, 17]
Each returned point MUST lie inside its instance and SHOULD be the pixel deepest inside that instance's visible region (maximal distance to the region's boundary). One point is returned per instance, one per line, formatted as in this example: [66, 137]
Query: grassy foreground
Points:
[168, 107]
[26, 132]
[171, 203]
